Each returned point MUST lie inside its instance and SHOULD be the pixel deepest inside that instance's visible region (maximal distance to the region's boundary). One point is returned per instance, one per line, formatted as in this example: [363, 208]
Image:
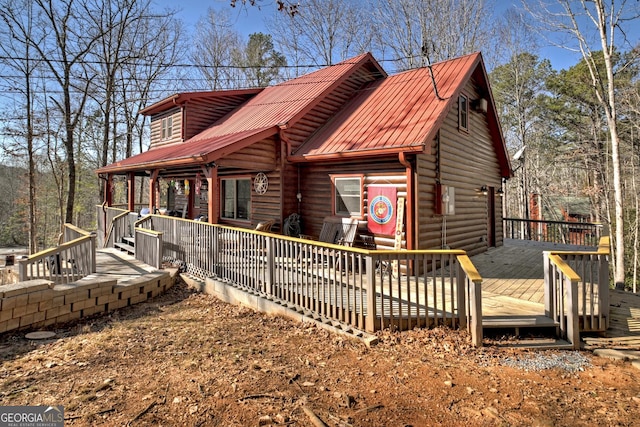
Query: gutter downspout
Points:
[409, 225]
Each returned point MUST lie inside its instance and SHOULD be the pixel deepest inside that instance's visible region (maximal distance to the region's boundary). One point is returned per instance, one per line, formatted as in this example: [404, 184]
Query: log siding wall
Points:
[465, 160]
[317, 193]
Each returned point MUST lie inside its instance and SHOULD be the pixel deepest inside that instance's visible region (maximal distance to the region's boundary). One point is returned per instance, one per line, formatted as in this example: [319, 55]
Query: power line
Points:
[200, 66]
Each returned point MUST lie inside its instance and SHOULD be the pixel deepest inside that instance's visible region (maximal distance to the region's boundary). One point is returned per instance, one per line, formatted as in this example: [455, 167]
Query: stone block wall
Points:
[40, 303]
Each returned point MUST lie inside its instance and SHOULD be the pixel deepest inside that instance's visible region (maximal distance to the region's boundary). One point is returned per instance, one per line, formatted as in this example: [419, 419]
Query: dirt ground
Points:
[187, 359]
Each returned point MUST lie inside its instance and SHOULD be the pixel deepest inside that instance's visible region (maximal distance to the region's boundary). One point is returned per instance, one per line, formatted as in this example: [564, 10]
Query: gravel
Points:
[571, 361]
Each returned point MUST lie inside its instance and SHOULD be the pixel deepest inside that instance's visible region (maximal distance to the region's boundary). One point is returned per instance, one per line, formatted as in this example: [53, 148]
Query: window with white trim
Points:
[236, 198]
[167, 127]
[347, 195]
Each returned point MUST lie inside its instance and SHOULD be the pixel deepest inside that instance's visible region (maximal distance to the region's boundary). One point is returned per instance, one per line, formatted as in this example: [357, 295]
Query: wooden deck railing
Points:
[355, 286]
[572, 233]
[73, 259]
[577, 290]
[148, 248]
[561, 297]
[105, 216]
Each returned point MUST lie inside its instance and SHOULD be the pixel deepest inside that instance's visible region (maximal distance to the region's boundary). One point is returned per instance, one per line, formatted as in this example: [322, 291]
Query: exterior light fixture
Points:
[484, 190]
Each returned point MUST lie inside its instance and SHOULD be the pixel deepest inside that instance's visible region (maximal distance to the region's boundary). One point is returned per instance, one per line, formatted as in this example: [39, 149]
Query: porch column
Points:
[108, 190]
[211, 175]
[131, 191]
[153, 190]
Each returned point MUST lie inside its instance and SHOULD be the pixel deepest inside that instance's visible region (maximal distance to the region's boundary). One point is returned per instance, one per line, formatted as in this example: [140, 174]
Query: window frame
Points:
[463, 113]
[222, 183]
[166, 128]
[334, 195]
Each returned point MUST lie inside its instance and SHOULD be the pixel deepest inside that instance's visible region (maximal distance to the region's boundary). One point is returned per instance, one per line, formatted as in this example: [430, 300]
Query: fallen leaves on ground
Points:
[188, 359]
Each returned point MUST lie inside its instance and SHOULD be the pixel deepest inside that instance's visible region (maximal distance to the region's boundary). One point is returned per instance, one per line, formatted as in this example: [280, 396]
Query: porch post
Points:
[131, 192]
[211, 175]
[153, 191]
[108, 191]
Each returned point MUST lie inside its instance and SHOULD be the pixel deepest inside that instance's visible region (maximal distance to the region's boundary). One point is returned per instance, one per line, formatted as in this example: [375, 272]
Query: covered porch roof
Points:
[192, 153]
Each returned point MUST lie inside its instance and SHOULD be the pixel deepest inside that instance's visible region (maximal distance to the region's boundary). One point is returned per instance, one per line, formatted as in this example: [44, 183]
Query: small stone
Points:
[281, 419]
[234, 387]
[470, 390]
[177, 399]
[448, 383]
[308, 384]
[490, 412]
[265, 420]
[193, 409]
[493, 390]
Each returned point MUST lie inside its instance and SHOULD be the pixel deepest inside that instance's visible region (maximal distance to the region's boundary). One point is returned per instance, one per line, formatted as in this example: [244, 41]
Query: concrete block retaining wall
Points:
[40, 303]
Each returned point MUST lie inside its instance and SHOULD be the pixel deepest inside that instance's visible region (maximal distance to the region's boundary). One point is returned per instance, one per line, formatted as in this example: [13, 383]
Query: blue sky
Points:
[250, 20]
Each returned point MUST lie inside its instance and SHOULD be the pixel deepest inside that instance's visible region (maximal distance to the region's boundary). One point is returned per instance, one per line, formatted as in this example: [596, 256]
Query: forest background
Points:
[76, 73]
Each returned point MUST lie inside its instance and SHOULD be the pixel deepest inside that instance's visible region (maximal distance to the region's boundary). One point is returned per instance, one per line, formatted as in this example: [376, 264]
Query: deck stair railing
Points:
[354, 286]
[73, 259]
[565, 232]
[582, 299]
[105, 218]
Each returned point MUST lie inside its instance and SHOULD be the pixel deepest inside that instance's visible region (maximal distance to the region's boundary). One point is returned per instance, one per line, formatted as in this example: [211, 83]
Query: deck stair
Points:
[543, 331]
[126, 245]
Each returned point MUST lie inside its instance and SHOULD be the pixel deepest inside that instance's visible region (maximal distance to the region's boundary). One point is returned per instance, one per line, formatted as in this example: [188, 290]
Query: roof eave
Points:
[180, 98]
[377, 152]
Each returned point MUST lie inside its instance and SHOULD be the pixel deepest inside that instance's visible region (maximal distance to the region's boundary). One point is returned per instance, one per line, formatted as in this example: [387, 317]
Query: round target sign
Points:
[381, 209]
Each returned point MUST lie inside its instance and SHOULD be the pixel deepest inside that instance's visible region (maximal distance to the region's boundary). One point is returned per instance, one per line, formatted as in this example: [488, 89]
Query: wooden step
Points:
[131, 241]
[535, 344]
[518, 321]
[125, 247]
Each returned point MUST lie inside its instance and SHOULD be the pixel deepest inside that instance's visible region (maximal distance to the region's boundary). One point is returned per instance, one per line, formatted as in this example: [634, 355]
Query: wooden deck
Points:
[513, 284]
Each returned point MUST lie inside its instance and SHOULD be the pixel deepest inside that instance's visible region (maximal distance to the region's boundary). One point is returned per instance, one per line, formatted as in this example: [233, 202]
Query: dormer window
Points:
[167, 127]
[463, 112]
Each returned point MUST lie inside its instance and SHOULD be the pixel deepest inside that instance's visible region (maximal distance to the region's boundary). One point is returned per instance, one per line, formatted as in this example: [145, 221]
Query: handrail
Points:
[352, 285]
[562, 303]
[473, 295]
[592, 268]
[65, 263]
[148, 247]
[567, 232]
[116, 219]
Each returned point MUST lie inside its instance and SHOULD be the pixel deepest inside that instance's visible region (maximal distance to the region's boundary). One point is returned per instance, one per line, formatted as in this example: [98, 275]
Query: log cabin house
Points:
[417, 157]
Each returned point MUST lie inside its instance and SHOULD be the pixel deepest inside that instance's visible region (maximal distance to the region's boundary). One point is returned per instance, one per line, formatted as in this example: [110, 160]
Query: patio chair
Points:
[338, 230]
[265, 225]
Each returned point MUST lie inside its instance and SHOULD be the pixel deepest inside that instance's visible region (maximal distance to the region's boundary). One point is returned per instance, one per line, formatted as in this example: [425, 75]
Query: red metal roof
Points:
[261, 116]
[398, 113]
[183, 154]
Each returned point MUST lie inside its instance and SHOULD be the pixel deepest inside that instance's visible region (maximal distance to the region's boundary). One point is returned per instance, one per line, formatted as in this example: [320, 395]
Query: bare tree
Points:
[578, 19]
[419, 31]
[213, 44]
[18, 17]
[323, 32]
[65, 39]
